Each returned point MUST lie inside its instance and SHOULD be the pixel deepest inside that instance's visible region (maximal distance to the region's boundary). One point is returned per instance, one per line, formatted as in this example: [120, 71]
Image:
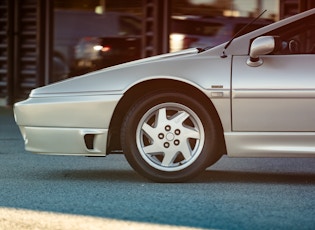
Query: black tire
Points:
[169, 137]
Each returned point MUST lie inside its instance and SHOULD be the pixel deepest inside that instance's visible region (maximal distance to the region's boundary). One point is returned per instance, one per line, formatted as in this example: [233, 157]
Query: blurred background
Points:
[44, 41]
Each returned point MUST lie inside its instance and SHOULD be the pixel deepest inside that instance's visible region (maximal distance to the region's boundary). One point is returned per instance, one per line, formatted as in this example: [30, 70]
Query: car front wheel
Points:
[169, 137]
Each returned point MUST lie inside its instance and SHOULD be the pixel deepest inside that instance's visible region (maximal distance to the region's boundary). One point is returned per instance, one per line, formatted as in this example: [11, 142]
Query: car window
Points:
[297, 37]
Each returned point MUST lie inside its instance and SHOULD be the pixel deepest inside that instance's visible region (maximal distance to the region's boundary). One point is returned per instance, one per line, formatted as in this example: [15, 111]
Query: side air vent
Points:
[89, 141]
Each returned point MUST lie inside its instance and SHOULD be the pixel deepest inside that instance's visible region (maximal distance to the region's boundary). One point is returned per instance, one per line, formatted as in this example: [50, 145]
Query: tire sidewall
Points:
[132, 153]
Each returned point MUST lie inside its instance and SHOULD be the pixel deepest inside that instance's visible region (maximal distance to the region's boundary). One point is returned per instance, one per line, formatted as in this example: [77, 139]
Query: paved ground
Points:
[62, 192]
[18, 219]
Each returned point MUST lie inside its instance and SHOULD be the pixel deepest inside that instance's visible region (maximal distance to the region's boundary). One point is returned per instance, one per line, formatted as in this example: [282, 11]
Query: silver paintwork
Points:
[261, 45]
[265, 99]
[265, 111]
[63, 141]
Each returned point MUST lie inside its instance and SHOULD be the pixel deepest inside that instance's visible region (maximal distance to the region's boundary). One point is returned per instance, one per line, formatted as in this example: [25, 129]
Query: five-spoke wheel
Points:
[168, 137]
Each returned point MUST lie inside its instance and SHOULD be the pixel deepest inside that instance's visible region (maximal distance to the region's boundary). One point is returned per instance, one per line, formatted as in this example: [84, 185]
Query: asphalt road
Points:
[233, 194]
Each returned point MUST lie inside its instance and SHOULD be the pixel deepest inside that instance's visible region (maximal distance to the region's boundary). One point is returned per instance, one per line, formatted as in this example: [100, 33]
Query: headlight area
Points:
[66, 111]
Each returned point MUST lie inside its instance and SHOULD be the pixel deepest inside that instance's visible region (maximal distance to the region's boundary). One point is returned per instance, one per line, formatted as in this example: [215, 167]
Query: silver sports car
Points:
[175, 114]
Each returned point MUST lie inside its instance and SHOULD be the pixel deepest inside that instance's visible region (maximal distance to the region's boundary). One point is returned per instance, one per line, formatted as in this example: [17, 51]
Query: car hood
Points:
[99, 81]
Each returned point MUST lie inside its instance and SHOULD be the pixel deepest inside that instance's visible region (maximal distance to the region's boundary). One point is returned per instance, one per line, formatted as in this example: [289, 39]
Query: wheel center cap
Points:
[170, 136]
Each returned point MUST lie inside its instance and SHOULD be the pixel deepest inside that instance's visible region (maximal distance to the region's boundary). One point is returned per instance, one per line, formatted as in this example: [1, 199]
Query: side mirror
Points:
[260, 46]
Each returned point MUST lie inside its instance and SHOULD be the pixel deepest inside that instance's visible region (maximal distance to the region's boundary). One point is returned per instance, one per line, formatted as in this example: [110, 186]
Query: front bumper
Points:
[66, 125]
[65, 141]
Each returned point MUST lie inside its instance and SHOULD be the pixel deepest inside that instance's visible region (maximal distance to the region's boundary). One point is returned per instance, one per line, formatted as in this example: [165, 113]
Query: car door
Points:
[279, 95]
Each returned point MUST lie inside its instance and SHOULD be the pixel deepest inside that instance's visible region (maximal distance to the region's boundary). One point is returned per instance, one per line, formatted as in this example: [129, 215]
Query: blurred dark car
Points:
[71, 26]
[93, 53]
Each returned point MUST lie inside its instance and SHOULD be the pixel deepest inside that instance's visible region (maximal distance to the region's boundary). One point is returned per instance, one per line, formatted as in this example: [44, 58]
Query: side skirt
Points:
[270, 144]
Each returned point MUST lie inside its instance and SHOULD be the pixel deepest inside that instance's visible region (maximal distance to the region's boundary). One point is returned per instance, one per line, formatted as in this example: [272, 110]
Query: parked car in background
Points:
[93, 53]
[174, 115]
[72, 26]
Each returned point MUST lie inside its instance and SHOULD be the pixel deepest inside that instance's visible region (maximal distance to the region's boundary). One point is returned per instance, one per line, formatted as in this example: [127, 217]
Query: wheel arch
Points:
[137, 91]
